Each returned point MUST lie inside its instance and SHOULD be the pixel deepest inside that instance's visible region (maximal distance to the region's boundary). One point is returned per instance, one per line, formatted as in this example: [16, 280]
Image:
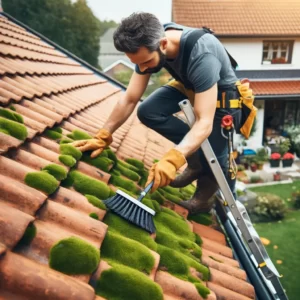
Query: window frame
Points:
[290, 52]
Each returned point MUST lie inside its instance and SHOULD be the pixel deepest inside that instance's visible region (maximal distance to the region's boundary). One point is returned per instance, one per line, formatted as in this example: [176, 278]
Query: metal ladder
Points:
[237, 215]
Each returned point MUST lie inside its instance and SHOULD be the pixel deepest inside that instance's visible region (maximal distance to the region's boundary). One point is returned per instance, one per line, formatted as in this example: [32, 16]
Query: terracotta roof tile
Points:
[240, 17]
[288, 87]
[47, 89]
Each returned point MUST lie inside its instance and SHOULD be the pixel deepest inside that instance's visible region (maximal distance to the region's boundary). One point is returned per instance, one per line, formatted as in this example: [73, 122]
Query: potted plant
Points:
[253, 166]
[287, 160]
[275, 160]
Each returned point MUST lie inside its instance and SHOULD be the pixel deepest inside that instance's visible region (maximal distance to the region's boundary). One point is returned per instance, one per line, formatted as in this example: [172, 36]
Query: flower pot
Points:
[260, 166]
[287, 163]
[253, 168]
[274, 163]
[276, 176]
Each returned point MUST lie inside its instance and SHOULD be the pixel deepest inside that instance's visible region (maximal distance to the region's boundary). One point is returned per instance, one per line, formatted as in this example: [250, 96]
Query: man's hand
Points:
[164, 171]
[101, 140]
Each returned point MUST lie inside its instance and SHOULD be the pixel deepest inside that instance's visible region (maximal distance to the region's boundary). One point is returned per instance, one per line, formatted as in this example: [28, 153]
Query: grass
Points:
[284, 239]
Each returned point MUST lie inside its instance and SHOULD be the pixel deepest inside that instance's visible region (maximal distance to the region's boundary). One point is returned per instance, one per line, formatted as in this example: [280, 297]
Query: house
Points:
[264, 38]
[53, 224]
[108, 53]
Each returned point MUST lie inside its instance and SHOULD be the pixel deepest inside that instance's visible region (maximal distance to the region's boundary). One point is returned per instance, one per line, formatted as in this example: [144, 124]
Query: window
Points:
[277, 52]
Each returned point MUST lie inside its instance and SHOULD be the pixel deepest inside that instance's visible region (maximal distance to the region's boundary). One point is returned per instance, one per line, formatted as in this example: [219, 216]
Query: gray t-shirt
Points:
[208, 63]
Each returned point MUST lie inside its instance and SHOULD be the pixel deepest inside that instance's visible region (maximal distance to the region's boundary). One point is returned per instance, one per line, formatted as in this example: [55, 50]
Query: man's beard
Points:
[161, 63]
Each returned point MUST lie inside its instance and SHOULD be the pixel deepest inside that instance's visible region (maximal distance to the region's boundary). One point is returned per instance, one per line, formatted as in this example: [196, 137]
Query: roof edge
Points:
[257, 35]
[63, 50]
[278, 97]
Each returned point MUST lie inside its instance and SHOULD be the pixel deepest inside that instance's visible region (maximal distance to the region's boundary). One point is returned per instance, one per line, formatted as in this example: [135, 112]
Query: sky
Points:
[117, 9]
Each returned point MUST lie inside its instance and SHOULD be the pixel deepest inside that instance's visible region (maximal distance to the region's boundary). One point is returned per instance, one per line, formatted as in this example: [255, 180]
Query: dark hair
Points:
[137, 30]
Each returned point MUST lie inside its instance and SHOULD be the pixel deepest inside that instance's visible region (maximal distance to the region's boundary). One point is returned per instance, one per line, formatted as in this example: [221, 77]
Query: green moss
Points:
[67, 149]
[188, 190]
[152, 204]
[52, 134]
[65, 141]
[202, 290]
[128, 166]
[202, 218]
[56, 171]
[198, 239]
[57, 129]
[172, 191]
[96, 202]
[79, 135]
[42, 181]
[128, 173]
[15, 129]
[87, 185]
[171, 212]
[67, 160]
[111, 155]
[124, 183]
[29, 235]
[112, 193]
[94, 216]
[67, 182]
[5, 113]
[128, 284]
[74, 256]
[169, 196]
[4, 131]
[12, 108]
[103, 163]
[135, 162]
[115, 172]
[215, 259]
[144, 176]
[125, 228]
[199, 267]
[127, 252]
[158, 197]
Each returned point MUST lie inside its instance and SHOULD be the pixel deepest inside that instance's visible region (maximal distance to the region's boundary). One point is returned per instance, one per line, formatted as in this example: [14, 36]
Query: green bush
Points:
[269, 207]
[296, 199]
[15, 129]
[74, 256]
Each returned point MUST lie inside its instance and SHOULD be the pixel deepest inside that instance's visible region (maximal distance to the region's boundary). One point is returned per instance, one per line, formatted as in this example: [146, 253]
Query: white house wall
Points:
[248, 53]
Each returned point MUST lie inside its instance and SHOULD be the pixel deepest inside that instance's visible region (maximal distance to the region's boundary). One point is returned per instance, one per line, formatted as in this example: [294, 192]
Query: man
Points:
[151, 46]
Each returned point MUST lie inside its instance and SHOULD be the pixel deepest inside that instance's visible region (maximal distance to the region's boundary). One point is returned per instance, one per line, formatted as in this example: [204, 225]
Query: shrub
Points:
[296, 199]
[269, 207]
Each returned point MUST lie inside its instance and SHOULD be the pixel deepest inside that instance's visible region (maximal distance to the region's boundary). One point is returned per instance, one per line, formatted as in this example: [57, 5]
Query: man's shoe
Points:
[204, 197]
[191, 172]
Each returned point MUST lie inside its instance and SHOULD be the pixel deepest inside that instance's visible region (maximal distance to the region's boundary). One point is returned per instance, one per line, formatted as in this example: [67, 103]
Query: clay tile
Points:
[83, 126]
[77, 201]
[7, 142]
[221, 258]
[44, 147]
[103, 266]
[93, 171]
[21, 277]
[232, 283]
[14, 223]
[209, 233]
[8, 95]
[177, 208]
[216, 247]
[20, 196]
[61, 109]
[176, 287]
[156, 263]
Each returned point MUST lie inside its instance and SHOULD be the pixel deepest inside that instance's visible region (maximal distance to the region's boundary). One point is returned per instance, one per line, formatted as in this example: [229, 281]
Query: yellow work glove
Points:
[164, 171]
[100, 141]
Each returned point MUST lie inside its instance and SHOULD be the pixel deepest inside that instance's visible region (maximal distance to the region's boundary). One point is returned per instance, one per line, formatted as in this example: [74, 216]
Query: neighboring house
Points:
[264, 38]
[108, 53]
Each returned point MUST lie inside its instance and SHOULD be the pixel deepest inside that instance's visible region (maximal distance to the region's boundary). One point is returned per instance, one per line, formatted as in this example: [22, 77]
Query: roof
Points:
[289, 74]
[277, 87]
[240, 17]
[47, 99]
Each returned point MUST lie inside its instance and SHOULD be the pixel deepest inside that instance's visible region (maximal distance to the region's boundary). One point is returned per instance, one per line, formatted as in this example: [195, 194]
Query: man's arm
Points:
[204, 107]
[126, 104]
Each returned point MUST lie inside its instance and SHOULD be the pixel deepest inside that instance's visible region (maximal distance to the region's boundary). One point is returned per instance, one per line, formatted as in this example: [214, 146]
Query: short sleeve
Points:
[203, 71]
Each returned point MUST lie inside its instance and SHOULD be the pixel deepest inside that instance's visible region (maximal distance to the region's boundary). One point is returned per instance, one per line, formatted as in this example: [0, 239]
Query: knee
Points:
[145, 114]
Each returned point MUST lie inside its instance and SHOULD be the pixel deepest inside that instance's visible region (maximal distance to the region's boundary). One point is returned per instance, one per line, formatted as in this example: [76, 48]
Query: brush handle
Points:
[145, 191]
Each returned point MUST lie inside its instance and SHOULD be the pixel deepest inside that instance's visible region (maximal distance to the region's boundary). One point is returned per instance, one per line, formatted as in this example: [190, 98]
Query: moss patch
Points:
[172, 191]
[127, 252]
[144, 176]
[124, 183]
[103, 163]
[125, 228]
[171, 212]
[67, 149]
[128, 173]
[128, 166]
[152, 204]
[94, 216]
[79, 135]
[198, 239]
[74, 256]
[67, 160]
[202, 290]
[53, 135]
[57, 129]
[42, 181]
[111, 155]
[29, 235]
[87, 185]
[135, 162]
[67, 182]
[96, 202]
[8, 114]
[15, 129]
[65, 141]
[158, 197]
[56, 171]
[169, 196]
[128, 284]
[202, 218]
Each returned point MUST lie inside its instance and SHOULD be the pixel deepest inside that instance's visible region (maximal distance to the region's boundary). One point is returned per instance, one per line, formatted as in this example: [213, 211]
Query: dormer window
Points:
[277, 52]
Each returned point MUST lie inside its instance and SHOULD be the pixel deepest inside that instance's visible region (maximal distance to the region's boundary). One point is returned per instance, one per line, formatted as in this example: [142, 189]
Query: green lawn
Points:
[285, 236]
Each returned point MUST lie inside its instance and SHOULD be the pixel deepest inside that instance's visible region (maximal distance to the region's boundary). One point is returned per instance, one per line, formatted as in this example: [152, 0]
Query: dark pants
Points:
[156, 112]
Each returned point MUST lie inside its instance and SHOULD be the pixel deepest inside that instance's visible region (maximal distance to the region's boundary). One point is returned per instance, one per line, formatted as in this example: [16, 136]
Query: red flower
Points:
[275, 156]
[227, 122]
[288, 156]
